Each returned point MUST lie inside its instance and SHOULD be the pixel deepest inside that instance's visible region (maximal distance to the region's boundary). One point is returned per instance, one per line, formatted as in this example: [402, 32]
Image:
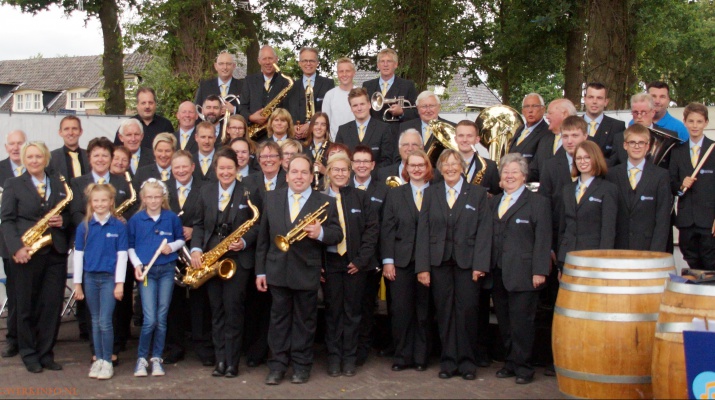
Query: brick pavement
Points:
[189, 379]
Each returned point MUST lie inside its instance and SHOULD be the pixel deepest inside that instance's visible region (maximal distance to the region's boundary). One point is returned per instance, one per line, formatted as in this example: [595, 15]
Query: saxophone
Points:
[319, 155]
[479, 176]
[210, 264]
[254, 129]
[128, 202]
[35, 237]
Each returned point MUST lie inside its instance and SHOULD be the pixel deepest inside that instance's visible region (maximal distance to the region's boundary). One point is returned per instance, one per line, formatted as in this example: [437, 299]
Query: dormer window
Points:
[75, 99]
[27, 101]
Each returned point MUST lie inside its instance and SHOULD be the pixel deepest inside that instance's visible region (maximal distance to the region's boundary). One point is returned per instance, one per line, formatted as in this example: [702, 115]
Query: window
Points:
[28, 101]
[75, 100]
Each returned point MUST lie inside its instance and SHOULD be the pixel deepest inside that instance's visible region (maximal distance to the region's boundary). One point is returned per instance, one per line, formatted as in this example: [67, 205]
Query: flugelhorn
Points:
[298, 233]
[378, 101]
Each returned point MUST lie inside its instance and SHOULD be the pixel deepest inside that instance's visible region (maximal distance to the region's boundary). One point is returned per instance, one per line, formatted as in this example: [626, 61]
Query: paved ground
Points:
[188, 379]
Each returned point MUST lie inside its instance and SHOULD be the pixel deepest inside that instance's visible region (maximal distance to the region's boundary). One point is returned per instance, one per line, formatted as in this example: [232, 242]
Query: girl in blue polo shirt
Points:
[147, 229]
[104, 239]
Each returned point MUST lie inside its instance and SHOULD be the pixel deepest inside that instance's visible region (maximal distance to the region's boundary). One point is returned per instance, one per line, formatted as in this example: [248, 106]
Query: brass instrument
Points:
[224, 126]
[319, 160]
[309, 104]
[394, 181]
[497, 126]
[378, 101]
[128, 202]
[210, 264]
[254, 129]
[661, 144]
[297, 233]
[444, 135]
[479, 176]
[224, 100]
[35, 237]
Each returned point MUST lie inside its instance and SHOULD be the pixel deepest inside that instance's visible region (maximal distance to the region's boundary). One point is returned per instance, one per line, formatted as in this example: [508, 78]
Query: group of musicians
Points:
[338, 209]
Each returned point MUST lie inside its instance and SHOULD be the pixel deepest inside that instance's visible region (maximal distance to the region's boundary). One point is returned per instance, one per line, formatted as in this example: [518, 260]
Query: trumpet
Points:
[378, 101]
[297, 233]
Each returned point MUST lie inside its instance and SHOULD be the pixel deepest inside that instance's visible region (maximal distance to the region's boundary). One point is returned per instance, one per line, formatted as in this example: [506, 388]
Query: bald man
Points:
[185, 135]
[557, 111]
[223, 85]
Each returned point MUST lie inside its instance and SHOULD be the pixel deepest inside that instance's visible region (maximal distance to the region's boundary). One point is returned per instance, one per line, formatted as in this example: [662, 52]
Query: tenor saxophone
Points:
[254, 129]
[128, 202]
[35, 237]
[210, 264]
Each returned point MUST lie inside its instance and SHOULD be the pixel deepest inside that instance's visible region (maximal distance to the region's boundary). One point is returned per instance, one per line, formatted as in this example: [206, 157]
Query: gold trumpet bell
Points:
[393, 182]
[282, 243]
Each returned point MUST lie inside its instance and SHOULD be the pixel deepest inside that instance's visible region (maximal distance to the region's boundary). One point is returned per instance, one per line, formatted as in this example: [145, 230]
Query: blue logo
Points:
[704, 385]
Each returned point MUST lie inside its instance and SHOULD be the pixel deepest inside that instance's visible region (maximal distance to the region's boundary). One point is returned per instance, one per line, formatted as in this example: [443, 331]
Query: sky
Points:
[49, 33]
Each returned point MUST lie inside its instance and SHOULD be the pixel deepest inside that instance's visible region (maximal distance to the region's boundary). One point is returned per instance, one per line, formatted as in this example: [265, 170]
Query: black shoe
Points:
[505, 373]
[275, 377]
[421, 367]
[361, 358]
[300, 377]
[208, 362]
[399, 367]
[253, 363]
[220, 370]
[349, 370]
[484, 363]
[334, 371]
[173, 358]
[231, 372]
[469, 376]
[523, 380]
[35, 368]
[11, 350]
[549, 371]
[445, 374]
[52, 366]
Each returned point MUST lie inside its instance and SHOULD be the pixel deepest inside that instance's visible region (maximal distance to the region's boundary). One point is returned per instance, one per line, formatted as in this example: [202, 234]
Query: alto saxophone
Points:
[479, 176]
[128, 202]
[271, 106]
[35, 237]
[210, 264]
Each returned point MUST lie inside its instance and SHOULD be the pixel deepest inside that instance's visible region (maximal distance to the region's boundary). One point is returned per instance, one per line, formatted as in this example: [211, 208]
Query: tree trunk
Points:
[413, 49]
[248, 28]
[191, 58]
[112, 59]
[573, 76]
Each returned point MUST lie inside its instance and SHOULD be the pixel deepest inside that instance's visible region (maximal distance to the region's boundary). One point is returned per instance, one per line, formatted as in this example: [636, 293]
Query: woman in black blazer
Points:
[590, 204]
[521, 260]
[408, 298]
[223, 208]
[42, 275]
[315, 145]
[455, 237]
[346, 267]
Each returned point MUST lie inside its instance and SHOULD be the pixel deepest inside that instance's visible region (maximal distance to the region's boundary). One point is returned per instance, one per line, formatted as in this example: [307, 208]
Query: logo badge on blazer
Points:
[355, 210]
[468, 207]
[644, 198]
[527, 155]
[595, 199]
[706, 171]
[242, 206]
[522, 221]
[375, 199]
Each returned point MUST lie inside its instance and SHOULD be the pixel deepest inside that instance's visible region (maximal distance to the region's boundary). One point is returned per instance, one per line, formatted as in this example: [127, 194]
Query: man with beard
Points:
[212, 114]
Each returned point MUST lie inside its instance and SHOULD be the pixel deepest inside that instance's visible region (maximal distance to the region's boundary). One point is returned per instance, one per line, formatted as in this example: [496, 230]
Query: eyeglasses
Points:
[224, 64]
[268, 156]
[636, 145]
[640, 113]
[531, 106]
[309, 61]
[582, 159]
[417, 166]
[428, 106]
[336, 170]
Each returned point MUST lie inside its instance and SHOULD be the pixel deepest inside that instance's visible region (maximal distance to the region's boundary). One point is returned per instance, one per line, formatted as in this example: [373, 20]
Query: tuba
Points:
[661, 144]
[444, 138]
[297, 233]
[497, 126]
[35, 237]
[255, 129]
[128, 202]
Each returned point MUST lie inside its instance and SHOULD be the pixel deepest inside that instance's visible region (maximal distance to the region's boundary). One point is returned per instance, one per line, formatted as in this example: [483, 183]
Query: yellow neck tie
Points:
[696, 153]
[592, 131]
[523, 136]
[632, 177]
[184, 140]
[308, 83]
[182, 196]
[223, 90]
[295, 208]
[451, 199]
[361, 133]
[362, 187]
[18, 171]
[384, 89]
[239, 176]
[76, 167]
[224, 201]
[557, 138]
[135, 162]
[581, 190]
[205, 165]
[428, 133]
[41, 190]
[343, 245]
[504, 206]
[164, 175]
[418, 200]
[268, 186]
[267, 85]
[100, 181]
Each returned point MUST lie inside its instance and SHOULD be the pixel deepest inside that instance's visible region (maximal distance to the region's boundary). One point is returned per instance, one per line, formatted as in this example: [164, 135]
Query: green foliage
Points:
[171, 90]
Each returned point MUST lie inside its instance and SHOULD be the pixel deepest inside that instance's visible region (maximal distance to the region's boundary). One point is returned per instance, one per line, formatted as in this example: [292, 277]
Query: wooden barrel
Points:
[604, 322]
[679, 305]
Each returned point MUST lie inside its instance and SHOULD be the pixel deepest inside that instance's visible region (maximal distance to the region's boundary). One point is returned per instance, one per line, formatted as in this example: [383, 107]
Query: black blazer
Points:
[522, 240]
[210, 86]
[144, 173]
[78, 206]
[191, 145]
[590, 224]
[361, 227]
[620, 156]
[58, 162]
[400, 87]
[299, 267]
[295, 102]
[6, 171]
[377, 136]
[605, 133]
[544, 152]
[643, 221]
[254, 95]
[528, 147]
[696, 208]
[471, 225]
[239, 212]
[190, 212]
[22, 208]
[146, 158]
[376, 192]
[556, 174]
[398, 233]
[255, 183]
[199, 173]
[490, 180]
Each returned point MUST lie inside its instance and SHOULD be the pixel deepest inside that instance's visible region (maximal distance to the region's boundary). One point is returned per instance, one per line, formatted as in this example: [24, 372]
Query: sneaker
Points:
[140, 369]
[156, 368]
[107, 370]
[94, 370]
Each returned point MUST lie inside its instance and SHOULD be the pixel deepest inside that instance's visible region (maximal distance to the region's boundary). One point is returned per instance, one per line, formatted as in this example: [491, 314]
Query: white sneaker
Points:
[94, 370]
[140, 369]
[107, 370]
[156, 368]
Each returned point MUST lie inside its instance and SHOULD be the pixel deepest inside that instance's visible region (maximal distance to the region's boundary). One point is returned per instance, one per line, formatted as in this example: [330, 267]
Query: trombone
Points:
[297, 233]
[378, 101]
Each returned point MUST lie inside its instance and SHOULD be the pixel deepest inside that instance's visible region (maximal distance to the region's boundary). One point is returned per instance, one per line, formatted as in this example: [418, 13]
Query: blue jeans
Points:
[99, 293]
[156, 297]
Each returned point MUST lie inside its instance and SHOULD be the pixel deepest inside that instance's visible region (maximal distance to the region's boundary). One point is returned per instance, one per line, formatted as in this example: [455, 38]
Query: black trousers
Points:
[456, 299]
[41, 287]
[177, 323]
[294, 315]
[11, 335]
[258, 317]
[411, 321]
[515, 312]
[369, 306]
[227, 299]
[485, 342]
[698, 248]
[343, 310]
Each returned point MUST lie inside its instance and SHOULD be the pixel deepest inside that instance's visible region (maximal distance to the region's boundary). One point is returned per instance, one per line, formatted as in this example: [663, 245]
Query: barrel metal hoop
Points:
[611, 289]
[602, 316]
[620, 263]
[586, 376]
[616, 275]
[684, 288]
[673, 327]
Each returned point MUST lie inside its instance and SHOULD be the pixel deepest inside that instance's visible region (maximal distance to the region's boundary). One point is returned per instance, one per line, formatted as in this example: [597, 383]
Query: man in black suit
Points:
[204, 157]
[10, 168]
[367, 130]
[549, 144]
[152, 124]
[428, 108]
[185, 135]
[222, 86]
[296, 100]
[392, 86]
[70, 160]
[131, 135]
[467, 140]
[294, 275]
[601, 128]
[526, 139]
[259, 89]
[644, 198]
